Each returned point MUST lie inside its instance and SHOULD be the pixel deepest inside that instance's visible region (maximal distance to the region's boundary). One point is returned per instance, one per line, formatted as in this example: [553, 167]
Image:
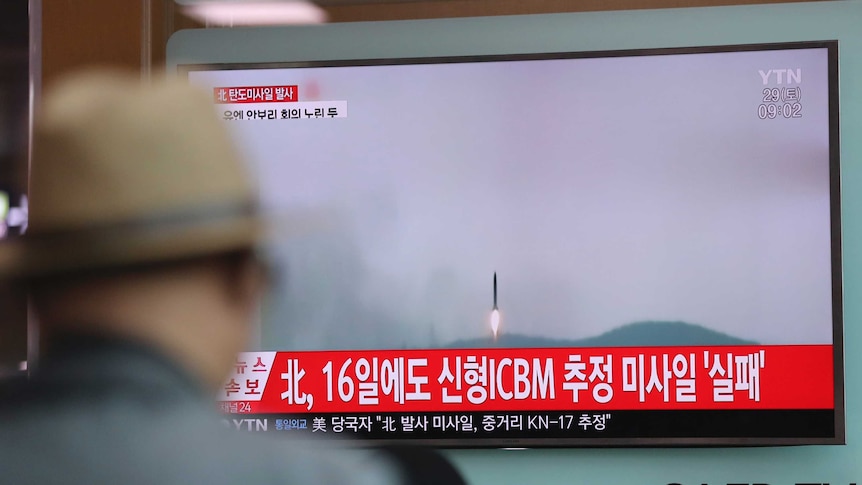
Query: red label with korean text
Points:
[256, 94]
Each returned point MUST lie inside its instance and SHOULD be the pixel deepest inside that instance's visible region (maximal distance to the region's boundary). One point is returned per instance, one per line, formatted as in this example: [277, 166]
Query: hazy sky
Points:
[602, 191]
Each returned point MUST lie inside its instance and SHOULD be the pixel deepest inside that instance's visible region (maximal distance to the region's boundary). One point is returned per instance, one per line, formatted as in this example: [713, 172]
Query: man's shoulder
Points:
[314, 461]
[173, 443]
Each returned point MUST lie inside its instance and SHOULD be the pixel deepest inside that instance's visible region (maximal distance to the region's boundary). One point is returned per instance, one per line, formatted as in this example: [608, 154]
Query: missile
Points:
[495, 290]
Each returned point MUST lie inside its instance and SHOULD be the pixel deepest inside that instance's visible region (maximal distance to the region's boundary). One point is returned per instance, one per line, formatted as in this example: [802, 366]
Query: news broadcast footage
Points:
[571, 249]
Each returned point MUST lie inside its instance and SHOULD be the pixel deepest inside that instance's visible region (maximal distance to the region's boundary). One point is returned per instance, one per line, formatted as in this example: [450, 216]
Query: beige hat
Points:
[124, 173]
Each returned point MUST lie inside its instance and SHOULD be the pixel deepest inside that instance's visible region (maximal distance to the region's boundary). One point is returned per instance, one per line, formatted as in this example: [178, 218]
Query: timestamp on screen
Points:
[769, 111]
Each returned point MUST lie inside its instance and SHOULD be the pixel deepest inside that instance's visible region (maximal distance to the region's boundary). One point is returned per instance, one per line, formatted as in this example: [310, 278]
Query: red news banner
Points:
[527, 379]
[256, 94]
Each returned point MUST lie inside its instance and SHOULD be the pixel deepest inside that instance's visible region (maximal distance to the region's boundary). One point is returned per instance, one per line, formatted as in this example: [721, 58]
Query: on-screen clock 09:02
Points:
[769, 111]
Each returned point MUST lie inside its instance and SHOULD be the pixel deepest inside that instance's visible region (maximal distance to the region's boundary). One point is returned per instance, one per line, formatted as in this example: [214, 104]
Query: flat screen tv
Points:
[617, 248]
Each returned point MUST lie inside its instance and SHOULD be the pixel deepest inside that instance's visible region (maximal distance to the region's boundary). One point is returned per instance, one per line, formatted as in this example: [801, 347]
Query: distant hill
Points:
[639, 334]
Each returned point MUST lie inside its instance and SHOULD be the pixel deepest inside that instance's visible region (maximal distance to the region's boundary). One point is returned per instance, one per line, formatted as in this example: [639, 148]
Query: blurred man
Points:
[141, 261]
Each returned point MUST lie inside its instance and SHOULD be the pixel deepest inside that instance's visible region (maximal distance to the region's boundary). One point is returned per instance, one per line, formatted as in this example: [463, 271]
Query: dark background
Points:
[14, 103]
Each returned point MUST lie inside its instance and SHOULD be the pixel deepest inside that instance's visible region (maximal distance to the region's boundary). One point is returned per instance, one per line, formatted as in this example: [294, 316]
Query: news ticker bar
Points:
[718, 424]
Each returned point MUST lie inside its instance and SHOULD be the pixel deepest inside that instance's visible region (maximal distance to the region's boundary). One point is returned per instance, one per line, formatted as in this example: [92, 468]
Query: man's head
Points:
[143, 221]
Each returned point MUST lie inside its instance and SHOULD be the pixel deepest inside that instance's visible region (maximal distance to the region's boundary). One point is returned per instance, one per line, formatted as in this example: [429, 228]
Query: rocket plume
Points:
[495, 322]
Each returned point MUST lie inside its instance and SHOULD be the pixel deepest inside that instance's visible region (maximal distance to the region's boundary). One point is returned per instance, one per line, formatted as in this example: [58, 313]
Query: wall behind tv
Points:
[109, 32]
[622, 30]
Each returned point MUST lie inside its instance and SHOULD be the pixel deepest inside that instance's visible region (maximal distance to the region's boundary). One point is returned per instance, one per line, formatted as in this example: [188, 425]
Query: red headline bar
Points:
[524, 379]
[256, 94]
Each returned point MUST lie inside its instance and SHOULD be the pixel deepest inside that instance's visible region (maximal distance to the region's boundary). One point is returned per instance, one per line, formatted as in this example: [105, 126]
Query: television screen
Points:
[620, 248]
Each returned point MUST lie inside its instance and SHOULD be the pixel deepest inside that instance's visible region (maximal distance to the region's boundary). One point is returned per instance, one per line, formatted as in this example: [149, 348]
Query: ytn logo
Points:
[781, 76]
